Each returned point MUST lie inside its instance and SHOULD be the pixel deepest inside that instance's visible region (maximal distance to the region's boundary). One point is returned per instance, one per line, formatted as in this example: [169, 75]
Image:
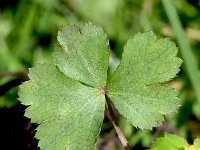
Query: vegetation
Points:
[79, 71]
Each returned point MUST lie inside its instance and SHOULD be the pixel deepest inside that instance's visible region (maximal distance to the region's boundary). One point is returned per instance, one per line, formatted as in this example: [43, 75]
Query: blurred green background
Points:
[28, 31]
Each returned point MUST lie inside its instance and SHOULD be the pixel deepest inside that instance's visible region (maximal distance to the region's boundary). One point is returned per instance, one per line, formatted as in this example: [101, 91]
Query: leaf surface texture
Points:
[137, 86]
[70, 114]
[170, 142]
[67, 96]
[83, 54]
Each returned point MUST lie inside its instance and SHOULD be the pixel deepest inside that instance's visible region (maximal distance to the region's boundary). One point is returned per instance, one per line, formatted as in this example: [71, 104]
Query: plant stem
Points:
[114, 121]
[19, 75]
[9, 85]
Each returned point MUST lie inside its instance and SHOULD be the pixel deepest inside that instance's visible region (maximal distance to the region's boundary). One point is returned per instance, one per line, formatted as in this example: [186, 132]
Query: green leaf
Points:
[67, 97]
[137, 86]
[197, 143]
[70, 114]
[169, 142]
[84, 54]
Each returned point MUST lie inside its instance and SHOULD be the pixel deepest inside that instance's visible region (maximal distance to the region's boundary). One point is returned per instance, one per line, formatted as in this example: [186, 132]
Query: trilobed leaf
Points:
[66, 97]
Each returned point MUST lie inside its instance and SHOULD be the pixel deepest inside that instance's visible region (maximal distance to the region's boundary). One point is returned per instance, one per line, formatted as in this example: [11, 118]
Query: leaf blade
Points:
[197, 143]
[169, 142]
[69, 111]
[136, 87]
[79, 48]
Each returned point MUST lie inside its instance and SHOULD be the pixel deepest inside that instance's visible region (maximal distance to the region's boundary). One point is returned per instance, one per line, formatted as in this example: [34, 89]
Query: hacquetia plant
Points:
[67, 97]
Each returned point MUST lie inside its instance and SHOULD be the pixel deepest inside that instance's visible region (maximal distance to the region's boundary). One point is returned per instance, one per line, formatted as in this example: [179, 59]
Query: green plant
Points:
[67, 96]
[174, 142]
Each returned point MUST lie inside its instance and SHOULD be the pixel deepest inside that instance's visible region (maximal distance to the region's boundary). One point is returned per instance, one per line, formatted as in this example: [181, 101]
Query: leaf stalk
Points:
[113, 119]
